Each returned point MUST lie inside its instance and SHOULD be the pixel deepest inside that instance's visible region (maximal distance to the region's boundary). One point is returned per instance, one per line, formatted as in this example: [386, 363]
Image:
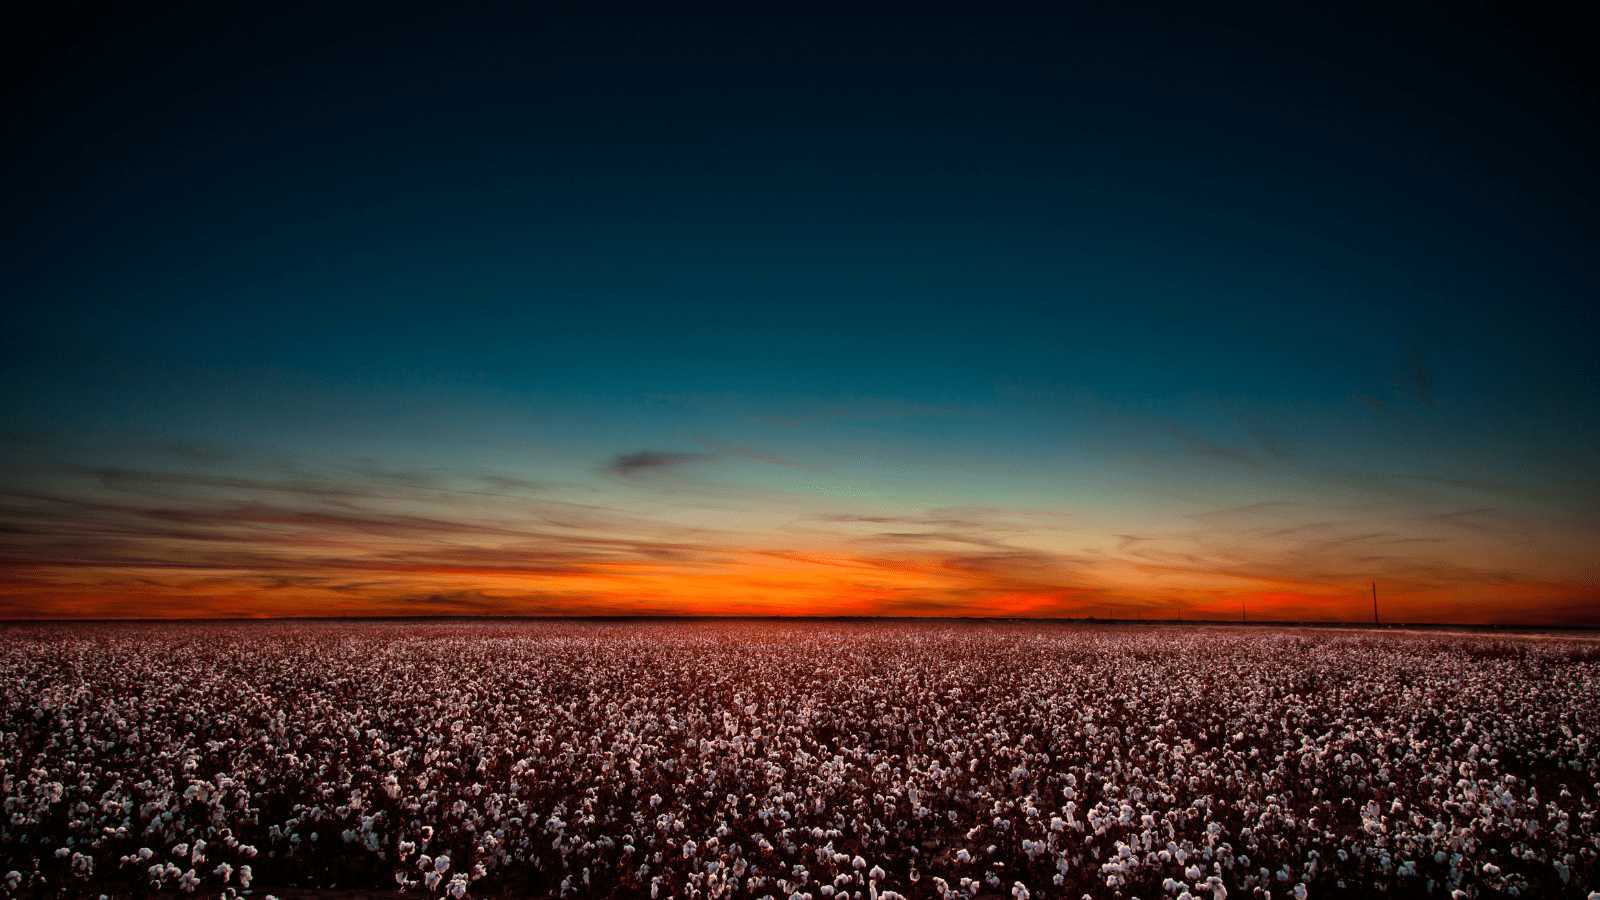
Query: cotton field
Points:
[795, 760]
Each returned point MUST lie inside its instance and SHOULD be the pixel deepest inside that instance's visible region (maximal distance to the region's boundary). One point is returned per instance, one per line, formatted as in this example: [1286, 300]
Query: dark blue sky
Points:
[1325, 251]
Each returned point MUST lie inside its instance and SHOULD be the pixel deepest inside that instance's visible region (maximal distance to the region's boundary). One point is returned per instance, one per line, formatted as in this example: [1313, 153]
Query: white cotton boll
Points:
[1192, 873]
[1020, 891]
[963, 856]
[858, 863]
[877, 873]
[442, 864]
[146, 853]
[424, 863]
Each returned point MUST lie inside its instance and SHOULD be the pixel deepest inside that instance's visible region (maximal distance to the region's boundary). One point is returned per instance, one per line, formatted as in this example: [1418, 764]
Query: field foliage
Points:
[810, 759]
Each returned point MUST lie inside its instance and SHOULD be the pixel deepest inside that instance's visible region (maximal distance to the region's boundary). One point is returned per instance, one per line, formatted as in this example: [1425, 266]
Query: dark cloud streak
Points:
[653, 462]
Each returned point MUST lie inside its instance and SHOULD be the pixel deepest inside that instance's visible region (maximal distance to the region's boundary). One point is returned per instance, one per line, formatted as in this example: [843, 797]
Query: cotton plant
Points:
[756, 759]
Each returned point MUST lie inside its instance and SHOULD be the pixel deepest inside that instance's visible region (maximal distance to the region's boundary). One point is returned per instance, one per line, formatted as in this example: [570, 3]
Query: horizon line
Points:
[1075, 620]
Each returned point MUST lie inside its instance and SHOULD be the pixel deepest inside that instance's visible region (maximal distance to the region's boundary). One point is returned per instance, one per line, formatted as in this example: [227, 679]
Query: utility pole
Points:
[1374, 603]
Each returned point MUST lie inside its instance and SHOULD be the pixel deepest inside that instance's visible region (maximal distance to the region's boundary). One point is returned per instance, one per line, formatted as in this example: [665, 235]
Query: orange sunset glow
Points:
[569, 560]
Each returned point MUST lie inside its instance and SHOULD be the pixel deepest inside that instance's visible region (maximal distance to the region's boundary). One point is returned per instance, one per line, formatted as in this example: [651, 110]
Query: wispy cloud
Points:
[163, 483]
[755, 455]
[792, 410]
[653, 462]
[1207, 449]
[1417, 376]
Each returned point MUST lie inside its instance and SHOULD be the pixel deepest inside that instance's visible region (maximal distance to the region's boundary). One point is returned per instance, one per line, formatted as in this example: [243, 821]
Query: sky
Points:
[1119, 310]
